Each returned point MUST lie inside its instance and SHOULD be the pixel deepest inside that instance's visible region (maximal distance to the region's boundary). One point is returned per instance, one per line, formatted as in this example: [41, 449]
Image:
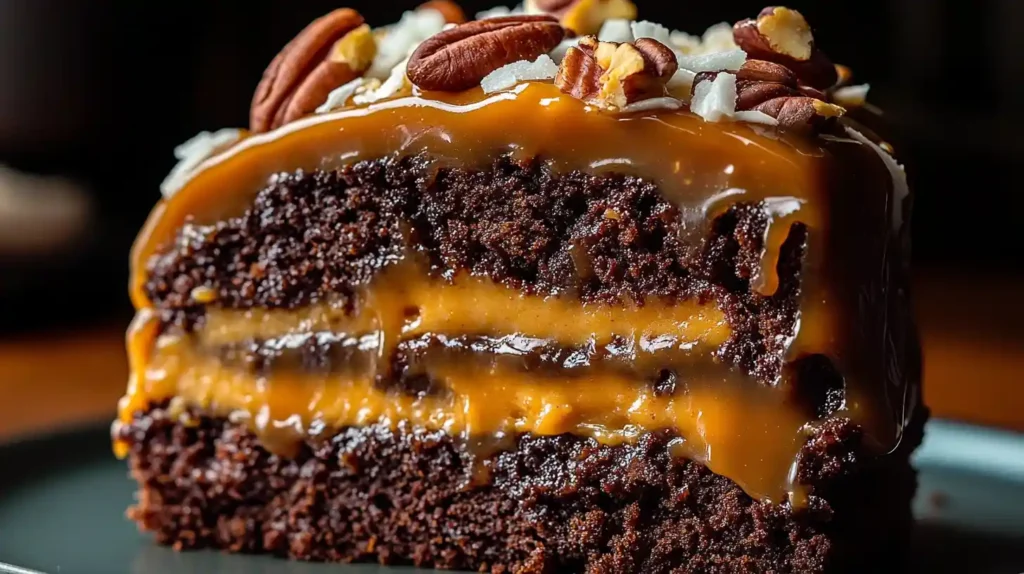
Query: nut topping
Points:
[787, 32]
[766, 70]
[451, 11]
[759, 81]
[762, 71]
[773, 89]
[800, 113]
[614, 75]
[332, 51]
[783, 36]
[458, 58]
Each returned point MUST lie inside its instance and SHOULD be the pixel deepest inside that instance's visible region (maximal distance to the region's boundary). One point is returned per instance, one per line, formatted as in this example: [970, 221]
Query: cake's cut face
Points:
[504, 296]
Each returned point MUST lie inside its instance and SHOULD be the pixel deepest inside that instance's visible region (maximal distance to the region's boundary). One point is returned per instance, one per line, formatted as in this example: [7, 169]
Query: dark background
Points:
[102, 90]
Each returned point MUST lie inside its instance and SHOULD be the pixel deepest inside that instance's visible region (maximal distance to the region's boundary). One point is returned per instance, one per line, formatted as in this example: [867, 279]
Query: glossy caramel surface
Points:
[851, 309]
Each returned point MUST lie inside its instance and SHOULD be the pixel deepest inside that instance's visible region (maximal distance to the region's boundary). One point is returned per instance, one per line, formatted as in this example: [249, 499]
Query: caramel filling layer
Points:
[738, 429]
[402, 303]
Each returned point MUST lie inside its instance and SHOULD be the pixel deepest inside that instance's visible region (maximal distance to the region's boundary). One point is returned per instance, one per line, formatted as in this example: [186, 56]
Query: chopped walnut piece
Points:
[783, 36]
[355, 49]
[787, 32]
[613, 75]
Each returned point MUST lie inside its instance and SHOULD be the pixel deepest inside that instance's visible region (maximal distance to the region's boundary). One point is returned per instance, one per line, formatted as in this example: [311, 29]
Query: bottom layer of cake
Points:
[555, 504]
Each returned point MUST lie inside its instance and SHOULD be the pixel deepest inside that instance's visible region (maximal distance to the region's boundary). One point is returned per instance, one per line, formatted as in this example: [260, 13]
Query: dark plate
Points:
[62, 500]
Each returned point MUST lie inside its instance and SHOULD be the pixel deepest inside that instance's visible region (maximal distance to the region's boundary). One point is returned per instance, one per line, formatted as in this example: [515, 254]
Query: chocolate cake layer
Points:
[317, 237]
[554, 504]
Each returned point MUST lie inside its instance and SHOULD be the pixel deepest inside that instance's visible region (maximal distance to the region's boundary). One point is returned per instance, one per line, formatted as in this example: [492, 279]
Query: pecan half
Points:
[451, 11]
[775, 90]
[783, 36]
[458, 58]
[758, 81]
[763, 71]
[333, 50]
[614, 75]
[801, 113]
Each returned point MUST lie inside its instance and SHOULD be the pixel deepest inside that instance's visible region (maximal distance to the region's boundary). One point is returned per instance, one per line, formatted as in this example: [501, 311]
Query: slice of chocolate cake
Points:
[557, 292]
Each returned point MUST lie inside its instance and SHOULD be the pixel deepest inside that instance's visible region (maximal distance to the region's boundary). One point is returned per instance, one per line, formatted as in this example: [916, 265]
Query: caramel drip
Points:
[743, 431]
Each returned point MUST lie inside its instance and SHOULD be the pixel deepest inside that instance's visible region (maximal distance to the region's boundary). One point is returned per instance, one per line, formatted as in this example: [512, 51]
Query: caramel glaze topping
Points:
[852, 302]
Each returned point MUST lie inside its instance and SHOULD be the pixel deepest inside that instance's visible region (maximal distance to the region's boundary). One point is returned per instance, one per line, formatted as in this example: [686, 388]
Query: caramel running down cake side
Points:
[551, 290]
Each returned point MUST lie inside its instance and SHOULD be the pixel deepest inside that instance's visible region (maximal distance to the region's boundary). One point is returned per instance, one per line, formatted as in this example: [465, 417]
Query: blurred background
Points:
[94, 95]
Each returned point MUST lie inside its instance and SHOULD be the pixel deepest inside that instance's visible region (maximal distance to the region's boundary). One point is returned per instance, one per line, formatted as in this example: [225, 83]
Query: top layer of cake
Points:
[665, 203]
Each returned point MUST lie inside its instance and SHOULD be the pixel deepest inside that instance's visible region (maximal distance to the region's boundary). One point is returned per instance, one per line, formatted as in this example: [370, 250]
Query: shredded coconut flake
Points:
[716, 100]
[718, 38]
[194, 152]
[686, 43]
[645, 29]
[616, 30]
[653, 104]
[505, 77]
[715, 62]
[755, 117]
[205, 142]
[852, 96]
[681, 84]
[340, 96]
[401, 39]
[396, 83]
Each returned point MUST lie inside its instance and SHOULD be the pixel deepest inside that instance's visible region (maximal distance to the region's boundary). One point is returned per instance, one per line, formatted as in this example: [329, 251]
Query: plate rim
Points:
[950, 444]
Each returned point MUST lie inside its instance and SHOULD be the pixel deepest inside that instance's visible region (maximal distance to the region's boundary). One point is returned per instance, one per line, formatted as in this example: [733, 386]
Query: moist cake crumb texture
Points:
[554, 504]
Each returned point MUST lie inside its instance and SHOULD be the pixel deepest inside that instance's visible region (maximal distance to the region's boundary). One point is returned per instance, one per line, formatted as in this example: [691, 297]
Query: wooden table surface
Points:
[973, 343]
